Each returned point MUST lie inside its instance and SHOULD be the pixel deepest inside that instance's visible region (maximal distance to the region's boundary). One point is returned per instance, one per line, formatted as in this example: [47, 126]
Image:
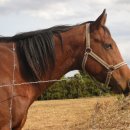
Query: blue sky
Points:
[19, 16]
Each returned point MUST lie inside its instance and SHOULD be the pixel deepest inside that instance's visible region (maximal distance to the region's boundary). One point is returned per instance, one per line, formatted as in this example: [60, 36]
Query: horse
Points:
[48, 54]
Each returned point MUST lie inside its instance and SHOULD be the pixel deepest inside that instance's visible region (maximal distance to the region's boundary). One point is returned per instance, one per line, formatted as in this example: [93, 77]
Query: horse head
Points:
[102, 58]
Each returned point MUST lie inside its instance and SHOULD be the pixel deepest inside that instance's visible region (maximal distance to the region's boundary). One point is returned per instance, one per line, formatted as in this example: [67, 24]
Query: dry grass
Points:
[111, 116]
[105, 113]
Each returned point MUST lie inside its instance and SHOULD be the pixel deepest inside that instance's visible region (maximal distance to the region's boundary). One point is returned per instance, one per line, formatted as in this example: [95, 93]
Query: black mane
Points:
[36, 51]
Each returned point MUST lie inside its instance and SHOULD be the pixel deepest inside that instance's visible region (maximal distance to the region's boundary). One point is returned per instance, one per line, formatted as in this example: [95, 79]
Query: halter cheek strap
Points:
[89, 52]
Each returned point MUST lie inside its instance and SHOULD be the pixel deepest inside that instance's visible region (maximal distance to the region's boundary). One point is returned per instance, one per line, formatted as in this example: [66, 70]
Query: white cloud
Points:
[3, 2]
[52, 12]
[21, 15]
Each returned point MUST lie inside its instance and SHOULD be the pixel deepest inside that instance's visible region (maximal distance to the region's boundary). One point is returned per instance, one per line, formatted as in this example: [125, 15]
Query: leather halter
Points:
[89, 52]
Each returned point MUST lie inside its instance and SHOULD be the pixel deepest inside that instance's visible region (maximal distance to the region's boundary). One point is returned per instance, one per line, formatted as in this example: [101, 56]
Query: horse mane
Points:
[36, 50]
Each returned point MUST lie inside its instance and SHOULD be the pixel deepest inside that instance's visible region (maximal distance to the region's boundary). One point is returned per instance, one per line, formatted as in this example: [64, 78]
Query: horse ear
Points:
[101, 20]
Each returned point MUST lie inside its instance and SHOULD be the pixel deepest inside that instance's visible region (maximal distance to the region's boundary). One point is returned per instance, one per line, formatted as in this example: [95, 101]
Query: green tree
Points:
[80, 85]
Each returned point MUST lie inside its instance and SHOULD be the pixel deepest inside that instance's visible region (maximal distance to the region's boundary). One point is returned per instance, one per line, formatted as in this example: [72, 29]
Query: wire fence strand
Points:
[27, 83]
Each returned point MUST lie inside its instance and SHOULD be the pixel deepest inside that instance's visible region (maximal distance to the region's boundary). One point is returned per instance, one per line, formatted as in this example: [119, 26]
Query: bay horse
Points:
[49, 54]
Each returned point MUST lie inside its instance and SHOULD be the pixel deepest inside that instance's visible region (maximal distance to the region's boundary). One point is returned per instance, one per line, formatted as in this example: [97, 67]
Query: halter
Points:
[89, 51]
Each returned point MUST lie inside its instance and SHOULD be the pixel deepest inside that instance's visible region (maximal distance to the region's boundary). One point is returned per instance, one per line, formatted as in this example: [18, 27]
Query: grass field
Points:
[72, 114]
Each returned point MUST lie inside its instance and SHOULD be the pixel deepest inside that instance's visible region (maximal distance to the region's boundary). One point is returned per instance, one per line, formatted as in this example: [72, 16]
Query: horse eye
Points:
[107, 46]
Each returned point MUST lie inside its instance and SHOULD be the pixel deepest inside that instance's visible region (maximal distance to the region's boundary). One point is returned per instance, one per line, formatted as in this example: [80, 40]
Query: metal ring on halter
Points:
[88, 50]
[111, 68]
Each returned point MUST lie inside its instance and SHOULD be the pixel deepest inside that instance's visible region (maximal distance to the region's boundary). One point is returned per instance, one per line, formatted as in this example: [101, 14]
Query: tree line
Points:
[80, 85]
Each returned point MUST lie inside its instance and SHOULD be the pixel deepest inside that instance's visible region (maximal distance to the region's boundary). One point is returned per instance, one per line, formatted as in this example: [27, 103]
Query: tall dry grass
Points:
[110, 116]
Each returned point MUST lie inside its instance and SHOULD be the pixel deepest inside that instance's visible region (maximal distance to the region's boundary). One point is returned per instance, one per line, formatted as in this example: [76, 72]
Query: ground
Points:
[70, 114]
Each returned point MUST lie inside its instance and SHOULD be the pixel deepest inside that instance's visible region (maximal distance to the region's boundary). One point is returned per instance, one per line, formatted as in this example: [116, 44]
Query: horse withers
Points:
[49, 54]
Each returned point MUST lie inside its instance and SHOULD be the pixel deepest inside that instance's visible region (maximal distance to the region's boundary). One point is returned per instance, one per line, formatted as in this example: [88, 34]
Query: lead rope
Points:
[12, 89]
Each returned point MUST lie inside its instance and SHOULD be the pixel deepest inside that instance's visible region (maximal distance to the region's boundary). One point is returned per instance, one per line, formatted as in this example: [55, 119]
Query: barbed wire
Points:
[13, 84]
[12, 88]
[27, 83]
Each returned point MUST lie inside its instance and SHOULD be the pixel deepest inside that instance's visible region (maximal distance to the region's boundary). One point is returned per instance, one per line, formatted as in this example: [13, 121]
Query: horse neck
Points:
[70, 57]
[67, 59]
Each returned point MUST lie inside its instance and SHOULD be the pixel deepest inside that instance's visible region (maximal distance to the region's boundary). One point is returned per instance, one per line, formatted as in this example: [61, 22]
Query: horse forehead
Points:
[101, 35]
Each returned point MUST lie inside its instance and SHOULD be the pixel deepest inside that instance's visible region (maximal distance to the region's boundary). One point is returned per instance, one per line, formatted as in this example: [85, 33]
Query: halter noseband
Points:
[88, 51]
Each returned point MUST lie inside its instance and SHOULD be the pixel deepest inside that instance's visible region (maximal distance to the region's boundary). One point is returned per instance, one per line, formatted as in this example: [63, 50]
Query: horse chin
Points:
[126, 92]
[116, 90]
[113, 88]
